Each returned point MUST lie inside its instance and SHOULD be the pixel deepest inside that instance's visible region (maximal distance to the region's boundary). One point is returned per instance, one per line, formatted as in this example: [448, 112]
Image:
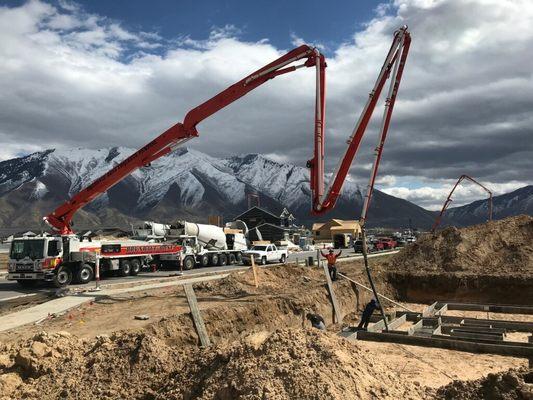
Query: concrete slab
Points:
[41, 311]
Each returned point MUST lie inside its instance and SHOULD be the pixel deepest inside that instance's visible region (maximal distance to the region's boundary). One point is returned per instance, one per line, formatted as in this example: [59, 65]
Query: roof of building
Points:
[337, 224]
[317, 226]
[259, 208]
[283, 228]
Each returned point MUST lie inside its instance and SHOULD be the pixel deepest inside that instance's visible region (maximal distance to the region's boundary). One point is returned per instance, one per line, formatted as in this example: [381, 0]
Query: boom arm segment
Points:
[178, 134]
[397, 55]
[449, 200]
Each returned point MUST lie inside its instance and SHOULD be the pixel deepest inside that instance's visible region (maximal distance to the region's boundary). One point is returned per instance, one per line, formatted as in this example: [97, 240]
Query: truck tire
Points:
[188, 263]
[203, 260]
[231, 259]
[283, 259]
[63, 277]
[125, 268]
[27, 283]
[263, 260]
[238, 258]
[213, 259]
[135, 267]
[222, 260]
[84, 274]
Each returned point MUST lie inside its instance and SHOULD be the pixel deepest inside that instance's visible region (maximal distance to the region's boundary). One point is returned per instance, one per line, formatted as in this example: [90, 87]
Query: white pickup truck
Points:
[264, 253]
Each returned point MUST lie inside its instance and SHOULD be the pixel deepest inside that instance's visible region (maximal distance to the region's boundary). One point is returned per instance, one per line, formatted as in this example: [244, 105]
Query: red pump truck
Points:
[322, 199]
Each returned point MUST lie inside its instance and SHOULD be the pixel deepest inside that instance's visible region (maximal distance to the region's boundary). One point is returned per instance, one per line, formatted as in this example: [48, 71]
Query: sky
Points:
[100, 73]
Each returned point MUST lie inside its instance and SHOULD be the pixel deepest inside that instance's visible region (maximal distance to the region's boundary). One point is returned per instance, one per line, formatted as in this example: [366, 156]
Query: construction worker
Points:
[317, 321]
[332, 259]
[367, 313]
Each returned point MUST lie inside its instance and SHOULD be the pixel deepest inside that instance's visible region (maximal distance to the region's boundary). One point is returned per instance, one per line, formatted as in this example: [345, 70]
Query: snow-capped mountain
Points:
[517, 202]
[186, 184]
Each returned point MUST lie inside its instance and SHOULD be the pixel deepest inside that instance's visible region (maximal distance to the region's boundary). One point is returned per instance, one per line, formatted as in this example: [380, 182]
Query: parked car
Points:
[358, 246]
[387, 243]
[264, 254]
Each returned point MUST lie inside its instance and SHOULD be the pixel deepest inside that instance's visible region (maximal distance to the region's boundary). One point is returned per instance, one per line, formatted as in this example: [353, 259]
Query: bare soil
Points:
[512, 384]
[503, 247]
[487, 263]
[263, 346]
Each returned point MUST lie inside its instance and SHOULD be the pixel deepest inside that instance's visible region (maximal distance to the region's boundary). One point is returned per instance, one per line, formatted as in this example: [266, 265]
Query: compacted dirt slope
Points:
[500, 247]
[486, 263]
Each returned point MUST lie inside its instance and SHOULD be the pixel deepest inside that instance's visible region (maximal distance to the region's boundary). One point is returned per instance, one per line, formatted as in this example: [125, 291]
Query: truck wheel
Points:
[214, 260]
[125, 268]
[231, 259]
[26, 283]
[238, 258]
[63, 277]
[188, 263]
[263, 260]
[84, 274]
[204, 260]
[135, 267]
[222, 260]
[283, 259]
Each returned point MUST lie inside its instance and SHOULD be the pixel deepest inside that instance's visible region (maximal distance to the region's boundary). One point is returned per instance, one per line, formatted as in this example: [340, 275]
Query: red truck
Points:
[386, 243]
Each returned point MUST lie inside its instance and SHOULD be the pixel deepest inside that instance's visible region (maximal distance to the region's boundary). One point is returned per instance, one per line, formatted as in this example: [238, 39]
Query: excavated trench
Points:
[430, 287]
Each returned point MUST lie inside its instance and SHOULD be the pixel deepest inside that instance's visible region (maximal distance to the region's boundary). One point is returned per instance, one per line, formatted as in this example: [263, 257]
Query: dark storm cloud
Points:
[465, 104]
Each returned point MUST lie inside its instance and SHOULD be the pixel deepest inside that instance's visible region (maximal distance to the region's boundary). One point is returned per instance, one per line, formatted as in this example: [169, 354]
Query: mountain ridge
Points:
[185, 184]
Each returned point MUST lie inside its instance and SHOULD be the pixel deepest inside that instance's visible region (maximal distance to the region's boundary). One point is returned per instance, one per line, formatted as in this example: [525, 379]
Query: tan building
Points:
[337, 231]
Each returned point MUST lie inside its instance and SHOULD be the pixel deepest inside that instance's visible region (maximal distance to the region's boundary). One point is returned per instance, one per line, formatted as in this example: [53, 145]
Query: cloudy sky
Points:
[99, 73]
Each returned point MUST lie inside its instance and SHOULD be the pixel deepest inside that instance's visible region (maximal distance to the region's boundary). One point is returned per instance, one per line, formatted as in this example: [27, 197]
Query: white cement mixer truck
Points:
[202, 245]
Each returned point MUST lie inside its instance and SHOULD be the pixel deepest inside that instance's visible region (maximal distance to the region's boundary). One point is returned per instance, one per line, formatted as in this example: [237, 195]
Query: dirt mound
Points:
[288, 364]
[60, 366]
[497, 248]
[512, 384]
[271, 280]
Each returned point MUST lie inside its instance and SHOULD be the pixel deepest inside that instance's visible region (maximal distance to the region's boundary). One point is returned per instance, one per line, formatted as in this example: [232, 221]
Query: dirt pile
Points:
[288, 364]
[272, 280]
[508, 385]
[503, 247]
[60, 366]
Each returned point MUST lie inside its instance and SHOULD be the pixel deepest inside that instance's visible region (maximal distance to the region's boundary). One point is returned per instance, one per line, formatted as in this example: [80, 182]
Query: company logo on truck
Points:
[118, 249]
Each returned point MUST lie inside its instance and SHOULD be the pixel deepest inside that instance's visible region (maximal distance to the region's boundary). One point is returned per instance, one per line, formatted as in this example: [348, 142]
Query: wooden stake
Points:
[196, 316]
[254, 269]
[336, 309]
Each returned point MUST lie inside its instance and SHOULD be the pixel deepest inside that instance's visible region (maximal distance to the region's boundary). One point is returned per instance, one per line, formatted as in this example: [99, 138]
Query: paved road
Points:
[9, 289]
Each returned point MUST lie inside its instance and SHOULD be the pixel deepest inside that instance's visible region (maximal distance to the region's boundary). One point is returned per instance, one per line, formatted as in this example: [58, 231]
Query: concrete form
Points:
[432, 328]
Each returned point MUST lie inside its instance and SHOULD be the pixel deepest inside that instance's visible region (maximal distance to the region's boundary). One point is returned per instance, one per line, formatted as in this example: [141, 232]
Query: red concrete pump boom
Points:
[449, 200]
[61, 218]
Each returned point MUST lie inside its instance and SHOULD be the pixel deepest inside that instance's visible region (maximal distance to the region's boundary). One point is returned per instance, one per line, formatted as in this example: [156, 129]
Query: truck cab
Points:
[34, 258]
[264, 253]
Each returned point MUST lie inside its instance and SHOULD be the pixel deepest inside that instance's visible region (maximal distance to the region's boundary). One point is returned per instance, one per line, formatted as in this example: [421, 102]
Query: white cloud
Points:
[433, 198]
[70, 78]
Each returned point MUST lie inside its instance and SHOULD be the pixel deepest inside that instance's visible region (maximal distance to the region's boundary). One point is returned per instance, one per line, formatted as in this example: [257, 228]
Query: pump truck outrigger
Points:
[322, 200]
